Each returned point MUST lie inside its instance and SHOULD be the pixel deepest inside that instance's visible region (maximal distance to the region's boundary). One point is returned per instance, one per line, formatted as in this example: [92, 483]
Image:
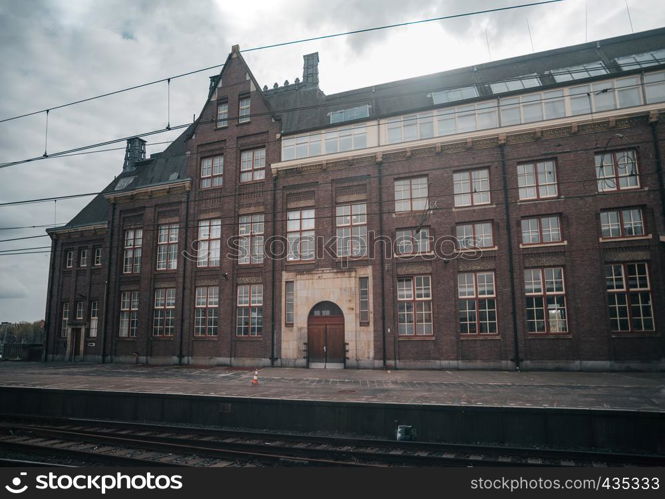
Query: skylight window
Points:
[454, 94]
[519, 83]
[641, 60]
[579, 72]
[350, 114]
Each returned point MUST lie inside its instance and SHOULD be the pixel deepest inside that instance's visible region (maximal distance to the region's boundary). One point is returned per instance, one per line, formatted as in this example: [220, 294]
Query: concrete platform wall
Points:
[624, 431]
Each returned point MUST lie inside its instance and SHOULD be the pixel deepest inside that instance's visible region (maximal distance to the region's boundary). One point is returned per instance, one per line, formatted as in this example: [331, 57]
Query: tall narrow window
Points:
[167, 247]
[626, 222]
[223, 114]
[414, 305]
[98, 257]
[475, 235]
[289, 303]
[351, 223]
[163, 320]
[209, 243]
[94, 319]
[300, 234]
[206, 311]
[83, 258]
[250, 310]
[250, 235]
[629, 297]
[64, 319]
[80, 310]
[412, 241]
[471, 187]
[363, 305]
[537, 180]
[411, 194]
[129, 314]
[541, 230]
[212, 171]
[477, 302]
[244, 109]
[69, 259]
[545, 300]
[616, 171]
[253, 165]
[132, 255]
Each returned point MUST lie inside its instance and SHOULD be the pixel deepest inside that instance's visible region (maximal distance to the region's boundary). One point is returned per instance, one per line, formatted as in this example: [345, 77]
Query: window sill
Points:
[625, 238]
[414, 255]
[250, 265]
[635, 334]
[166, 271]
[206, 338]
[625, 189]
[222, 127]
[478, 336]
[243, 123]
[126, 338]
[537, 200]
[252, 182]
[248, 338]
[474, 250]
[550, 336]
[543, 245]
[473, 207]
[211, 188]
[423, 337]
[410, 212]
[163, 338]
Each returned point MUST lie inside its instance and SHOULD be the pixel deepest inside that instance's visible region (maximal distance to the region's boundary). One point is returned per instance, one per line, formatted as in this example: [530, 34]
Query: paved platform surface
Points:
[594, 390]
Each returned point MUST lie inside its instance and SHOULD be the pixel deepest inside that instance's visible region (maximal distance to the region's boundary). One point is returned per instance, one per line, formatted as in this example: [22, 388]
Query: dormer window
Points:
[454, 94]
[350, 114]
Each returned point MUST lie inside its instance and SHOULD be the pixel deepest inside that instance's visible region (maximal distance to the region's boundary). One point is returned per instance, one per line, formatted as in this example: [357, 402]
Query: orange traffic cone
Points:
[255, 379]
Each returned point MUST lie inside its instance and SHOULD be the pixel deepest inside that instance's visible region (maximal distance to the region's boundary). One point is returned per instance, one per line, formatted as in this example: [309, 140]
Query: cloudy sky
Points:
[53, 52]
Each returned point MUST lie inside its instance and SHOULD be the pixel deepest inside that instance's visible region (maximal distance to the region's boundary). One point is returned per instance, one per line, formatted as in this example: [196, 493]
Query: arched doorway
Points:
[325, 336]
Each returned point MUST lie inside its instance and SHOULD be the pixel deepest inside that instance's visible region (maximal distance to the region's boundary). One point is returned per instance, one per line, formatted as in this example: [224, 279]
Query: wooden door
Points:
[316, 341]
[335, 351]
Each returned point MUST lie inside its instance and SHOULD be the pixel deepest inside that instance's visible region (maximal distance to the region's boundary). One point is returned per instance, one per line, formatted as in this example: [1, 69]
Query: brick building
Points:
[501, 215]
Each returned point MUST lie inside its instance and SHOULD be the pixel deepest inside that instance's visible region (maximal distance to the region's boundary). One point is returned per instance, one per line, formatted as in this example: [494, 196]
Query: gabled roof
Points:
[304, 109]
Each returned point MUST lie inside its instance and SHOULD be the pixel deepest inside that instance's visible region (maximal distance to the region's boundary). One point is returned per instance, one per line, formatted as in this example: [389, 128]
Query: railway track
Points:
[132, 443]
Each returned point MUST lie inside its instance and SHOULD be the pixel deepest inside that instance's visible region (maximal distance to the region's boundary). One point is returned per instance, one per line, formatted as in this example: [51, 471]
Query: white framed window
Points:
[545, 300]
[209, 242]
[537, 180]
[212, 171]
[414, 305]
[98, 257]
[476, 293]
[351, 221]
[471, 187]
[300, 234]
[541, 230]
[206, 311]
[624, 222]
[363, 301]
[132, 251]
[617, 171]
[249, 321]
[83, 257]
[629, 297]
[411, 194]
[250, 238]
[167, 247]
[253, 165]
[129, 314]
[163, 319]
[64, 319]
[222, 114]
[69, 259]
[475, 235]
[244, 109]
[94, 319]
[80, 310]
[289, 303]
[412, 241]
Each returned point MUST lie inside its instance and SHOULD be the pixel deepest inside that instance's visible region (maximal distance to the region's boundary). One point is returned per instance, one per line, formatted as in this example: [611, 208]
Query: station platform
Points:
[631, 391]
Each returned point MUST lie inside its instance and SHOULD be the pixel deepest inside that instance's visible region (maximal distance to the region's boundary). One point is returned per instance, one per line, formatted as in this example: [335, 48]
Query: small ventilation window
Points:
[580, 72]
[518, 83]
[350, 114]
[643, 60]
[123, 183]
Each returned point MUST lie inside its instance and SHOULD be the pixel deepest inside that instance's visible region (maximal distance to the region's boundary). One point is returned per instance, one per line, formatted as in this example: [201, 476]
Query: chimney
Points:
[310, 72]
[134, 153]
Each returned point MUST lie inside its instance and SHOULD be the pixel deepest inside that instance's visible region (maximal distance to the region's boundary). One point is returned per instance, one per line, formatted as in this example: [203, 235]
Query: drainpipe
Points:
[49, 301]
[109, 260]
[273, 273]
[184, 280]
[659, 164]
[383, 265]
[511, 267]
